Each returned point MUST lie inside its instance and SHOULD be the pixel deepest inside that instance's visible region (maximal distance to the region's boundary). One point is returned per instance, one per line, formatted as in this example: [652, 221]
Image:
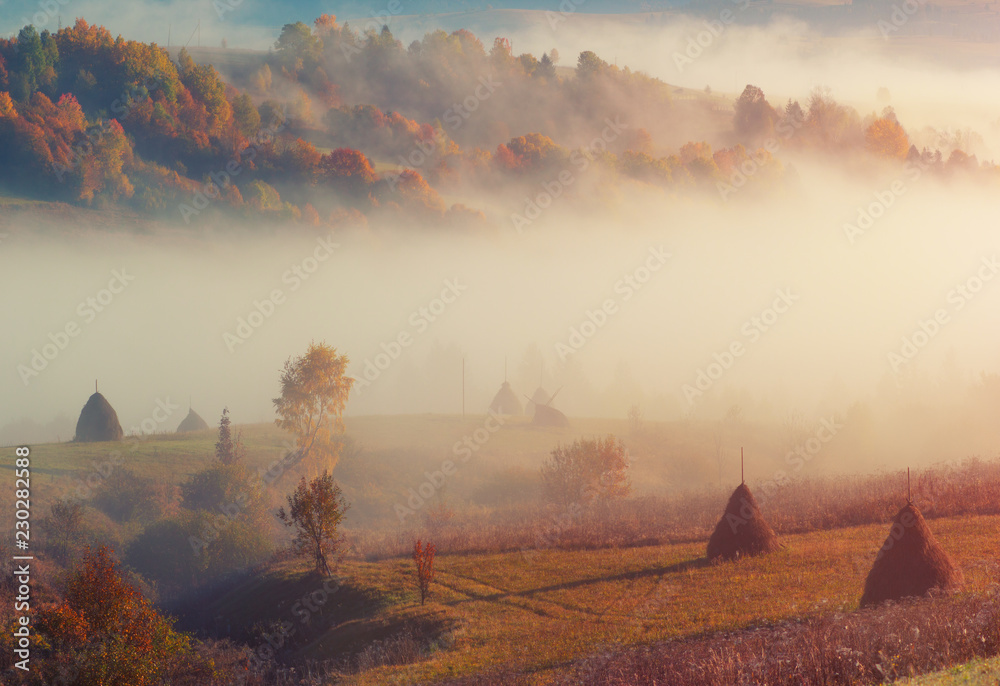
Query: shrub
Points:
[105, 632]
[585, 471]
[196, 547]
[315, 510]
[424, 560]
[124, 496]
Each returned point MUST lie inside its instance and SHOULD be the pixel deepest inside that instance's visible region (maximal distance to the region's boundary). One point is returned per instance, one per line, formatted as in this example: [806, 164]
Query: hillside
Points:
[495, 609]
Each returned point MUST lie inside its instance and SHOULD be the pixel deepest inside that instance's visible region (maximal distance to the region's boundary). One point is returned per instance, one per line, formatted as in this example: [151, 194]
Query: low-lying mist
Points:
[683, 308]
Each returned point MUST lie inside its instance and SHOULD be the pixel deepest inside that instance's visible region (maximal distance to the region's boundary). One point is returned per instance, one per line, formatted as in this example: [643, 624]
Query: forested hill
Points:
[334, 126]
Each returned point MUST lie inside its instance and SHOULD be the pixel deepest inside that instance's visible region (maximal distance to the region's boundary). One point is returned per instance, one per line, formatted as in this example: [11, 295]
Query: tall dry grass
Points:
[793, 506]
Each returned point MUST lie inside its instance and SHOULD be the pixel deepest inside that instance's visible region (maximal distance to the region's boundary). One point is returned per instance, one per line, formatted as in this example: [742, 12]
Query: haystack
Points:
[505, 402]
[742, 531]
[910, 563]
[193, 422]
[546, 415]
[98, 421]
[539, 397]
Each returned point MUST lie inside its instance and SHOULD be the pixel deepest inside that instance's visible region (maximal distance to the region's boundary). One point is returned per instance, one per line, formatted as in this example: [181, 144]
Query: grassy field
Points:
[534, 612]
[538, 612]
[975, 673]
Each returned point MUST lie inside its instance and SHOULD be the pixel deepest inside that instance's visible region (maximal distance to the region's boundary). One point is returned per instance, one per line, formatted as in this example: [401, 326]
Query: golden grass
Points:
[537, 613]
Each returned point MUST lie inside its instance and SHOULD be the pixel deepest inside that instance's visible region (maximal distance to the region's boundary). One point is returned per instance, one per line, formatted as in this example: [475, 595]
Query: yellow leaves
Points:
[886, 138]
[7, 109]
[314, 391]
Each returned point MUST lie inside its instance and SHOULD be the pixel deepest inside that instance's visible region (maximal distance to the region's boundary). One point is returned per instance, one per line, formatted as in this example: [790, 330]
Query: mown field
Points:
[533, 606]
[536, 613]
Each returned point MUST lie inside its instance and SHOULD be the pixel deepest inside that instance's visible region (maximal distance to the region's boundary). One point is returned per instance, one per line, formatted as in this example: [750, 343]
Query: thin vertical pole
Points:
[742, 478]
[463, 386]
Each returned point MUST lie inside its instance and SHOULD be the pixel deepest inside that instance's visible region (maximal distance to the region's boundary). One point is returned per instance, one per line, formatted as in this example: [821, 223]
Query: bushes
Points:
[195, 547]
[585, 471]
[105, 632]
[423, 558]
[125, 496]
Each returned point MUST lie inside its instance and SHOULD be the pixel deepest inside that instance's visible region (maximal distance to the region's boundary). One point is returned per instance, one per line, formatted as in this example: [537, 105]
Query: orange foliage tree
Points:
[105, 632]
[314, 391]
[886, 138]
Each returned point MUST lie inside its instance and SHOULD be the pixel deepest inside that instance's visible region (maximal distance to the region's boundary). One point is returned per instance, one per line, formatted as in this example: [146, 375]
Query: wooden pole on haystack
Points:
[742, 478]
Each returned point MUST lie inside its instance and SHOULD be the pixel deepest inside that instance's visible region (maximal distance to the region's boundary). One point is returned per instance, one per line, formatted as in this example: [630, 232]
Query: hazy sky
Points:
[163, 335]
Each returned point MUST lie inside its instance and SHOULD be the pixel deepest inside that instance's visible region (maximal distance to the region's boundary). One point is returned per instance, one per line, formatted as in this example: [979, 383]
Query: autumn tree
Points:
[314, 391]
[34, 63]
[886, 138]
[245, 115]
[105, 632]
[315, 510]
[753, 115]
[587, 470]
[423, 558]
[298, 47]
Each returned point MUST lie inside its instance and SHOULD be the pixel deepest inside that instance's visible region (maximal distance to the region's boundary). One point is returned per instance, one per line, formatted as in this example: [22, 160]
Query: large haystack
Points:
[742, 531]
[505, 402]
[193, 422]
[98, 421]
[910, 563]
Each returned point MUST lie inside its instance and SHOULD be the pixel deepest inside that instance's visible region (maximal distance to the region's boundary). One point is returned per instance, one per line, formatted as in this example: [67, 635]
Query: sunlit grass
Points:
[537, 613]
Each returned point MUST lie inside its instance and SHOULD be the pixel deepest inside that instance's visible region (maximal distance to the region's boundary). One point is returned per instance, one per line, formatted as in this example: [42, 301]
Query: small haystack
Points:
[546, 415]
[505, 402]
[193, 422]
[538, 398]
[98, 421]
[742, 531]
[910, 563]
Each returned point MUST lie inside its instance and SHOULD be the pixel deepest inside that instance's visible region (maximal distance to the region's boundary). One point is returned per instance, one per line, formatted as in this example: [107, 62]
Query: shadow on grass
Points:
[676, 568]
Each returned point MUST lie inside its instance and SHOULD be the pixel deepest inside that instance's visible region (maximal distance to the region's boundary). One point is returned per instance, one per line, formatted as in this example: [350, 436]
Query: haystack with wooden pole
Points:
[192, 422]
[911, 562]
[505, 402]
[98, 421]
[742, 531]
